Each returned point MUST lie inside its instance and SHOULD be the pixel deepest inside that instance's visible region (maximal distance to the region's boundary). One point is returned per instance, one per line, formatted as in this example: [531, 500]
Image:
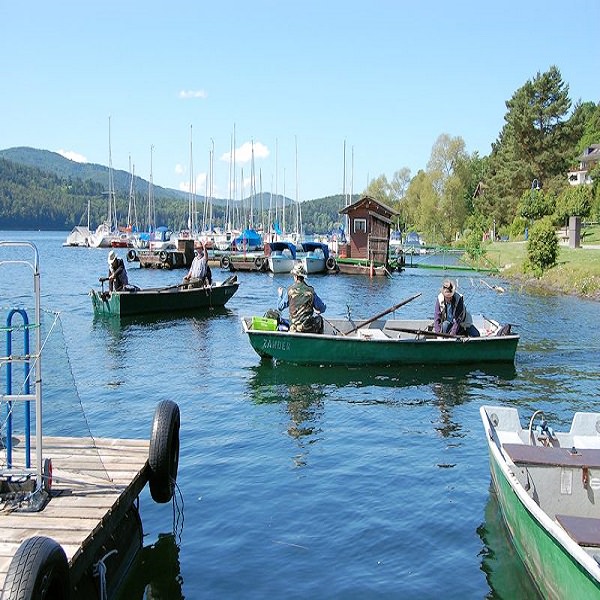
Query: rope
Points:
[100, 572]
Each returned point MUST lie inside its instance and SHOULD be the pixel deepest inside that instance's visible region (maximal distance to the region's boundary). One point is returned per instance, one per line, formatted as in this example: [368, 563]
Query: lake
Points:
[299, 482]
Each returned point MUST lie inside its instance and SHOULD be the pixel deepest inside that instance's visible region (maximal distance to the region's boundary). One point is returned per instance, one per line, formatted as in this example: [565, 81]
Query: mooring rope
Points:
[100, 572]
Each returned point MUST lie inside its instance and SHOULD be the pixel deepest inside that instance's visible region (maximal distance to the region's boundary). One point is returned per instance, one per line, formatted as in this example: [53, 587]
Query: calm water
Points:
[303, 482]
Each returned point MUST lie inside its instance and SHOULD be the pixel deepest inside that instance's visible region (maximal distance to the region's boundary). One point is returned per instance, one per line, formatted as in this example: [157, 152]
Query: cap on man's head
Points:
[112, 257]
[299, 270]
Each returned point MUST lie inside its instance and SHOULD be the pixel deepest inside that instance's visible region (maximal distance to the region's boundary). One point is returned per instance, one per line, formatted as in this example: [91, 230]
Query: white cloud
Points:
[243, 154]
[179, 169]
[187, 94]
[200, 184]
[74, 156]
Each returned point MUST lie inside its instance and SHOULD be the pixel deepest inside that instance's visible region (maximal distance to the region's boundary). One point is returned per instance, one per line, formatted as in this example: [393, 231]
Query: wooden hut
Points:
[370, 224]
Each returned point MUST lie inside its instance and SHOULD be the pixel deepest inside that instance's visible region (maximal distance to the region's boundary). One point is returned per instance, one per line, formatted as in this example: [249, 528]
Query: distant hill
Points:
[52, 162]
[40, 189]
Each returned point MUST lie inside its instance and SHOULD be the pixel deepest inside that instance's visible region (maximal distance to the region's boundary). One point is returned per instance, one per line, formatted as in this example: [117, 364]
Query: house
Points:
[587, 161]
[370, 223]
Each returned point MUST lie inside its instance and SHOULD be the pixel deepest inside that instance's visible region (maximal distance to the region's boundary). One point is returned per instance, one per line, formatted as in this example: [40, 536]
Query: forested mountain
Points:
[43, 190]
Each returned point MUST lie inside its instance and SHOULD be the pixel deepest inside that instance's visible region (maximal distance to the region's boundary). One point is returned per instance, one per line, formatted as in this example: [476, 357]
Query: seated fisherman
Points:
[303, 303]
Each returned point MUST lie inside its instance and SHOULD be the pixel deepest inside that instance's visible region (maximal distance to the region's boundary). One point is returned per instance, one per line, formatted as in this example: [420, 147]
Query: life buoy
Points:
[225, 262]
[163, 454]
[39, 569]
[330, 263]
[162, 255]
[258, 262]
[131, 255]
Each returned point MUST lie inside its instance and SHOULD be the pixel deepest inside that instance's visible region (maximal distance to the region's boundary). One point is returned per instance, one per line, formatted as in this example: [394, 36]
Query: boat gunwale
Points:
[569, 547]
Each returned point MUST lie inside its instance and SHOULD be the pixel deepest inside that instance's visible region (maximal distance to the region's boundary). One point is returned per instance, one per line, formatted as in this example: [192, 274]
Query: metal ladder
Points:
[10, 474]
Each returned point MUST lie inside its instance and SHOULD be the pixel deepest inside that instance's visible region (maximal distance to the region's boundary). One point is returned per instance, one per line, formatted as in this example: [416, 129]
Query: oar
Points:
[385, 312]
[424, 332]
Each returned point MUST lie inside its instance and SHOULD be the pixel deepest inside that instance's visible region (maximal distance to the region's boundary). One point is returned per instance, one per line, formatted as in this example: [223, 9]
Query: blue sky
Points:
[295, 79]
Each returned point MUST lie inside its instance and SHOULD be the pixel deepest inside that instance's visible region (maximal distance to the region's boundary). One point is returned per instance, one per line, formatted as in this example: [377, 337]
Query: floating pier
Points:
[69, 520]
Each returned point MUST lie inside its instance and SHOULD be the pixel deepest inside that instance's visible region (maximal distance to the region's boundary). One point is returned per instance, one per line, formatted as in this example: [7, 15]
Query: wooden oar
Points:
[385, 312]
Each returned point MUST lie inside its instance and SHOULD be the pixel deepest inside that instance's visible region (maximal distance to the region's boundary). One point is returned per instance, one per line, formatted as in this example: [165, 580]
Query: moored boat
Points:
[383, 342]
[282, 257]
[315, 257]
[170, 299]
[546, 483]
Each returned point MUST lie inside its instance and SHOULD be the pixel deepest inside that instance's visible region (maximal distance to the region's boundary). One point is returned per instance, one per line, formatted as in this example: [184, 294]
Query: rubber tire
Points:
[330, 263]
[259, 263]
[163, 454]
[39, 569]
[225, 262]
[162, 255]
[131, 255]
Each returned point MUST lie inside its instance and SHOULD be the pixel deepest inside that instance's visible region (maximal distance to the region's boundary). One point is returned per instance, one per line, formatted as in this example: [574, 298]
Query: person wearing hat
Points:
[450, 314]
[199, 274]
[303, 302]
[117, 274]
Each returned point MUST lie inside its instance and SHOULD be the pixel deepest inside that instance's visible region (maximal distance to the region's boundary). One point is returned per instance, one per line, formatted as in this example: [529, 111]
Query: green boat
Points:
[547, 483]
[381, 342]
[171, 299]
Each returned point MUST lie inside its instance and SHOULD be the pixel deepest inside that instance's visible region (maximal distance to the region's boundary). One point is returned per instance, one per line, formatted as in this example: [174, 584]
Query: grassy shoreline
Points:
[577, 271]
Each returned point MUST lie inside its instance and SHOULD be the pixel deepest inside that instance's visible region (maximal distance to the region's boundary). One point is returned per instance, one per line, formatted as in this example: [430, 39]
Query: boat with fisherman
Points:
[182, 297]
[546, 483]
[379, 341]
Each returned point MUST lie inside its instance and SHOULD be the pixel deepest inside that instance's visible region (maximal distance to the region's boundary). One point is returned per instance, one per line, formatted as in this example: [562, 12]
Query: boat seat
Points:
[552, 456]
[583, 530]
[372, 334]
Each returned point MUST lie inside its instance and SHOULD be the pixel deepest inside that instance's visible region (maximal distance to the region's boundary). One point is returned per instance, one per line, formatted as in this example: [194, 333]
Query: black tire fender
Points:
[131, 255]
[39, 569]
[330, 263]
[225, 262]
[163, 255]
[163, 454]
[258, 262]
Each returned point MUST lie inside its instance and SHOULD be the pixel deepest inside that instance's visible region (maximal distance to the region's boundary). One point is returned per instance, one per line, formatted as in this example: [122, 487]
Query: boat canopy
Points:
[248, 237]
[313, 246]
[282, 246]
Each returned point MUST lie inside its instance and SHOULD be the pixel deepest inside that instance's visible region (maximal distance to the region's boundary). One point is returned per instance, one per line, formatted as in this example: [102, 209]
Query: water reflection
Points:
[156, 572]
[504, 570]
[269, 373]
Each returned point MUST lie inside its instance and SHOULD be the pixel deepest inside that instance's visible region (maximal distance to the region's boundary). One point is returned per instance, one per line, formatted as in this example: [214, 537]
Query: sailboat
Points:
[107, 232]
[80, 235]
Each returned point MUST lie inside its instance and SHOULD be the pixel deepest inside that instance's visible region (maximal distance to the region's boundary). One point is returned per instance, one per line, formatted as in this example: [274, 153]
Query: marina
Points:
[366, 456]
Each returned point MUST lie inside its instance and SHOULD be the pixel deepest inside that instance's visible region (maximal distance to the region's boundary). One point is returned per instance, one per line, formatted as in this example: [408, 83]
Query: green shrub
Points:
[542, 247]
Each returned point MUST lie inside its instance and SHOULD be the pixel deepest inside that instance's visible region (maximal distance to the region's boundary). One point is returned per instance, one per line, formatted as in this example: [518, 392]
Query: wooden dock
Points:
[95, 482]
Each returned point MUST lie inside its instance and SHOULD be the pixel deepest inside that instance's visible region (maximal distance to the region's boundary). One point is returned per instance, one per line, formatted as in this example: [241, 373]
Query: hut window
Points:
[360, 226]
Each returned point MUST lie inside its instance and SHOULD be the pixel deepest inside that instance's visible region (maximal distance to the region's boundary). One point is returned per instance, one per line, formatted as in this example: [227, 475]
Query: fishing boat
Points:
[175, 298]
[282, 257]
[377, 341]
[546, 482]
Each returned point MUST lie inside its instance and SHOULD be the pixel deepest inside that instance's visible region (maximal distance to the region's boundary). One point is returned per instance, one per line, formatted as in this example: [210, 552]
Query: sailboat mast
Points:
[151, 214]
[112, 210]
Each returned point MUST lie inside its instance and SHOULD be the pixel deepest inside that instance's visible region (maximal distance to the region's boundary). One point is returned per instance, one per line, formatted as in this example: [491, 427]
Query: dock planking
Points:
[95, 482]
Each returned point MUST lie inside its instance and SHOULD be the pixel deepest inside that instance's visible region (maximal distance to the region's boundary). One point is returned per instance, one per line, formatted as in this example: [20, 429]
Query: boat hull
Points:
[161, 300]
[554, 569]
[371, 346]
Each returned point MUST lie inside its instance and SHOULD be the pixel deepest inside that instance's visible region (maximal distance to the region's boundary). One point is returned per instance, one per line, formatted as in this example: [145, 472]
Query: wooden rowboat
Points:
[175, 298]
[547, 483]
[384, 342]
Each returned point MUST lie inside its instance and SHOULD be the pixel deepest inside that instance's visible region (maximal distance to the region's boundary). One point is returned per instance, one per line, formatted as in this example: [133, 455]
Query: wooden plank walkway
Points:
[95, 482]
